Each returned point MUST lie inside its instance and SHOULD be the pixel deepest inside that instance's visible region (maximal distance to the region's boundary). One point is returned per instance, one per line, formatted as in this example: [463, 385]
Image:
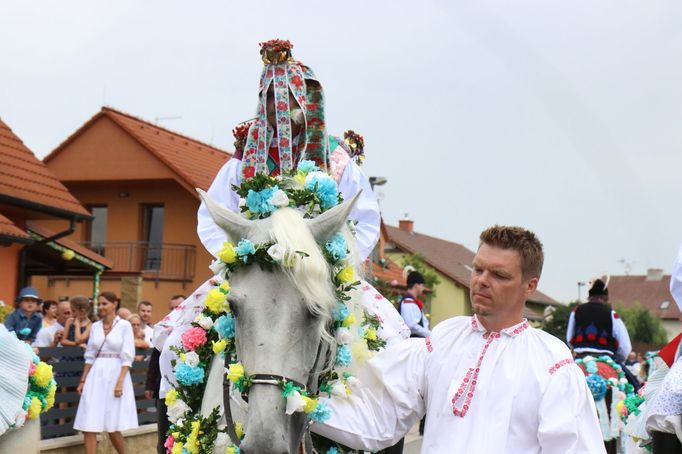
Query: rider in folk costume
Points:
[289, 129]
[656, 425]
[596, 329]
[596, 332]
[27, 389]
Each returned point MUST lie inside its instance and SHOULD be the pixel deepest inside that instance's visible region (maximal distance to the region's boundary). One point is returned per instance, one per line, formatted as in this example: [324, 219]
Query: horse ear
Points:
[330, 222]
[236, 226]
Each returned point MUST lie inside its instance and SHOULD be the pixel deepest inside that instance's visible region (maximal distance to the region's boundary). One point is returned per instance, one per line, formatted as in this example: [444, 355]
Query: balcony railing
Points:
[160, 261]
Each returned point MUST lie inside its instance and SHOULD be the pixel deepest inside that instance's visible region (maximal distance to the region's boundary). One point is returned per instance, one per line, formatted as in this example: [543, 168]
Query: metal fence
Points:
[67, 365]
[162, 261]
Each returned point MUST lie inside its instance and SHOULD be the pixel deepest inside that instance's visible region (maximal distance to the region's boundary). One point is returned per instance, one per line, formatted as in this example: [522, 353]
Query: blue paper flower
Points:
[244, 249]
[326, 190]
[321, 413]
[258, 202]
[25, 331]
[224, 326]
[340, 312]
[591, 367]
[307, 167]
[597, 386]
[332, 450]
[337, 247]
[188, 375]
[343, 356]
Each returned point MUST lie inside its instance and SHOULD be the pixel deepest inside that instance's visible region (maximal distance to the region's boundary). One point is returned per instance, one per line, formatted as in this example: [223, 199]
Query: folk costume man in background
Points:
[487, 383]
[412, 308]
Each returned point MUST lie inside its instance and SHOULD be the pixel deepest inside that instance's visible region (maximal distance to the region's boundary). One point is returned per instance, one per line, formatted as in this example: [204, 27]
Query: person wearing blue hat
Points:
[25, 321]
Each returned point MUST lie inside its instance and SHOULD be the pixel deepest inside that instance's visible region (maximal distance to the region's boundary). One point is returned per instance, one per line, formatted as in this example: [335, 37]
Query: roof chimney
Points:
[406, 224]
[654, 274]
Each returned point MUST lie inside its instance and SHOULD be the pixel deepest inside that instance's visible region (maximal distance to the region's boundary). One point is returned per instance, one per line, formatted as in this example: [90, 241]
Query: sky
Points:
[559, 116]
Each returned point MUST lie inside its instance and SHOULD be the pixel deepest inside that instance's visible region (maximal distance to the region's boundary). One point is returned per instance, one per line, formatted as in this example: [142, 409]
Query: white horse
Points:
[283, 318]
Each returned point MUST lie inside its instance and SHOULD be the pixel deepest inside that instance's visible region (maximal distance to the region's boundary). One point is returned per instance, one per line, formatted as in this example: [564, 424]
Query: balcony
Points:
[167, 261]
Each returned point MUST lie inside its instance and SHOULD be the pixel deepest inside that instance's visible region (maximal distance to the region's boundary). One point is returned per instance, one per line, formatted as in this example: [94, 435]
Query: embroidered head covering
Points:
[283, 74]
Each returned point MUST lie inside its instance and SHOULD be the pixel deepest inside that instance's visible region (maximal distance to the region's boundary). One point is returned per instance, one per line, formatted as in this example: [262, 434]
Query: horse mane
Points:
[311, 275]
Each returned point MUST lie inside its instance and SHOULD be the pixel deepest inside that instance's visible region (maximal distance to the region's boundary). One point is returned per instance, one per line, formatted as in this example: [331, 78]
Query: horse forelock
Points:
[311, 275]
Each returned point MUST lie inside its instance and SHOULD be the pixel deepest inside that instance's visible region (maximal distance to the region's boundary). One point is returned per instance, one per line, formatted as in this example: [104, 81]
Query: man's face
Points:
[498, 289]
[145, 313]
[63, 312]
[270, 108]
[418, 290]
[28, 305]
[175, 302]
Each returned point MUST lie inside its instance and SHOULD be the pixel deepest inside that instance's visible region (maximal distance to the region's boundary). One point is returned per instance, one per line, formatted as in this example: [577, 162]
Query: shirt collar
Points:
[511, 331]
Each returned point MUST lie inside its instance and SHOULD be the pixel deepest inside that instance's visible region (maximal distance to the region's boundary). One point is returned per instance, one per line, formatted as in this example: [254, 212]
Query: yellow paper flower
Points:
[171, 397]
[175, 435]
[34, 408]
[183, 357]
[192, 444]
[225, 287]
[219, 346]
[235, 372]
[346, 275]
[177, 448]
[43, 374]
[227, 254]
[300, 178]
[239, 430]
[349, 321]
[68, 254]
[310, 404]
[50, 396]
[231, 450]
[360, 351]
[371, 334]
[215, 301]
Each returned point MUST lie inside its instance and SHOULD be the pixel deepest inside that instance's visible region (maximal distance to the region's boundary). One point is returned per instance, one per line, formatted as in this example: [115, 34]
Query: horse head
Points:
[282, 316]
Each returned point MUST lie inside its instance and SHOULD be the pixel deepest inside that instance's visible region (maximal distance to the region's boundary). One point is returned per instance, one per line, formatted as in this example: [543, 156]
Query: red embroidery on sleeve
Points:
[429, 346]
[559, 365]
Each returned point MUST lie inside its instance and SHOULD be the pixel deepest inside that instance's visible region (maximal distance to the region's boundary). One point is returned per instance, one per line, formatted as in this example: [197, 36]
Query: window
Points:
[152, 235]
[665, 305]
[96, 230]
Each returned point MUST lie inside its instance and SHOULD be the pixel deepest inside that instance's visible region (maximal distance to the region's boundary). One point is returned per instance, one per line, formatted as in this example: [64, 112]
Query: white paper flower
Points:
[339, 389]
[319, 175]
[276, 251]
[279, 199]
[353, 383]
[221, 442]
[295, 403]
[177, 410]
[191, 359]
[343, 336]
[205, 322]
[242, 202]
[218, 267]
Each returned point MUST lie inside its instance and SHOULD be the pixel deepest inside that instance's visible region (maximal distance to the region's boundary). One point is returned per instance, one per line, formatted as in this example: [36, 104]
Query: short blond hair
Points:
[521, 240]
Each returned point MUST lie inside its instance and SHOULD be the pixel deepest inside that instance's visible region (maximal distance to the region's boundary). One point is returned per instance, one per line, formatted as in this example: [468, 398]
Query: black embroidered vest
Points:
[594, 327]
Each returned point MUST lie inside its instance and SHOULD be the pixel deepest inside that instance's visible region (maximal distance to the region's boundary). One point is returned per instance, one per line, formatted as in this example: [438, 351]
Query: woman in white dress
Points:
[107, 398]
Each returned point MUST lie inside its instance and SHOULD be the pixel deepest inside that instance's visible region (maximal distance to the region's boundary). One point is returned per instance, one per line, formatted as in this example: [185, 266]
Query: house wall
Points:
[9, 272]
[451, 298]
[125, 224]
[672, 328]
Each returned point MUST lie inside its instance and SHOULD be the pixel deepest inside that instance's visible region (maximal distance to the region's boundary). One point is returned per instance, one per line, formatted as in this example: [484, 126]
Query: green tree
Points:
[418, 263]
[557, 323]
[642, 325]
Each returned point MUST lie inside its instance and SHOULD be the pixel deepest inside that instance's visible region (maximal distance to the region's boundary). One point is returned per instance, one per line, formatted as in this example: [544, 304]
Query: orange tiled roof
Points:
[392, 273]
[26, 178]
[8, 229]
[651, 294]
[451, 259]
[195, 162]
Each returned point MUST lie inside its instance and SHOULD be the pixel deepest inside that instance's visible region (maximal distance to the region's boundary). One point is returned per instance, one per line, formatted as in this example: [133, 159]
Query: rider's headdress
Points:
[281, 75]
[599, 288]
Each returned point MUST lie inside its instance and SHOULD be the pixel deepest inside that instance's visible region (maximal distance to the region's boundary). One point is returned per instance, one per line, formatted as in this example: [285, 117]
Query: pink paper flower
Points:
[31, 369]
[170, 441]
[193, 338]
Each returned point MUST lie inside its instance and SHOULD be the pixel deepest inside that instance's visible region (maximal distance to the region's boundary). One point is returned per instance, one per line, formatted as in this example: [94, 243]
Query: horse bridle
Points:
[263, 379]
